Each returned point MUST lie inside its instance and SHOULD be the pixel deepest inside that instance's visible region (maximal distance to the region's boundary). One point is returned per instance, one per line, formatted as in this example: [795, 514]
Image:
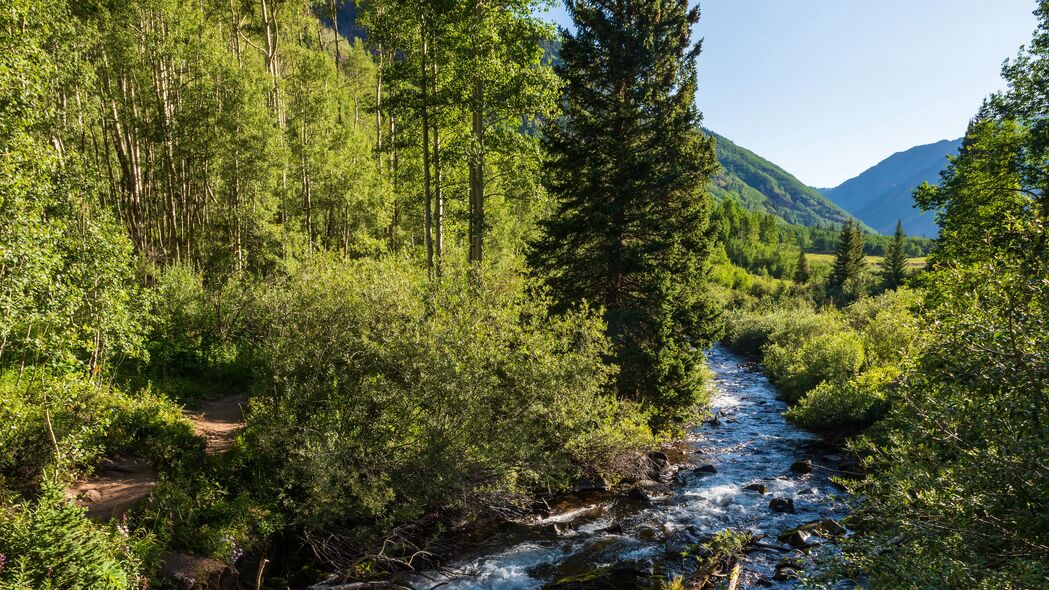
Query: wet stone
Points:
[639, 495]
[596, 484]
[705, 469]
[803, 466]
[798, 539]
[782, 505]
[756, 487]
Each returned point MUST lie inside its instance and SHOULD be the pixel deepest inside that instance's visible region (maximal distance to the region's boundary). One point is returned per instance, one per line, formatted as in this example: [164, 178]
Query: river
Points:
[751, 444]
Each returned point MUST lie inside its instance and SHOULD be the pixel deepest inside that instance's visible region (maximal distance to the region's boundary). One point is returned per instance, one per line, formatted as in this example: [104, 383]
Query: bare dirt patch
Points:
[219, 420]
[117, 485]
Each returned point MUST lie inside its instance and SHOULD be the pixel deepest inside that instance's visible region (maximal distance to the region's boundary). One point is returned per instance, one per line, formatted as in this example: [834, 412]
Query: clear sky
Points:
[828, 88]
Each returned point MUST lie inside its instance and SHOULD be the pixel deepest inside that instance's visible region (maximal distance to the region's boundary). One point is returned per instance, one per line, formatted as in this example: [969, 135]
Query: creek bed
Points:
[751, 443]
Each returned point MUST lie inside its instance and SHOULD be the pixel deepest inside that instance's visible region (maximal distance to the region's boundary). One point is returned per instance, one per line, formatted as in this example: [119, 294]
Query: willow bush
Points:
[384, 397]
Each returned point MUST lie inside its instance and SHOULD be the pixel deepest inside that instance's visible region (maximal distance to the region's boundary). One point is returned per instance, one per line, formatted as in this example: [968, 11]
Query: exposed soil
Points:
[121, 482]
[117, 485]
[219, 420]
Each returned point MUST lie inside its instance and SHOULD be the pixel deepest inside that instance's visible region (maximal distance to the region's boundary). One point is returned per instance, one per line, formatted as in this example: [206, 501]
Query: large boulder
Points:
[192, 572]
[590, 484]
[618, 577]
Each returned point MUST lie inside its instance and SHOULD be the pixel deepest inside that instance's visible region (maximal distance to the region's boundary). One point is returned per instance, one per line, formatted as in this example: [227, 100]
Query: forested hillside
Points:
[284, 305]
[761, 185]
[882, 195]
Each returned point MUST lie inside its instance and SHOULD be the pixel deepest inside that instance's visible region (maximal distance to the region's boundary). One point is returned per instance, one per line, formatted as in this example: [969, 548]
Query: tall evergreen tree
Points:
[803, 272]
[628, 168]
[849, 259]
[894, 266]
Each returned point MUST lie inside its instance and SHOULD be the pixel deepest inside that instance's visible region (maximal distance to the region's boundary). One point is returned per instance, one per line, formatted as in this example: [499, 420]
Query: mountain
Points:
[883, 194]
[760, 185]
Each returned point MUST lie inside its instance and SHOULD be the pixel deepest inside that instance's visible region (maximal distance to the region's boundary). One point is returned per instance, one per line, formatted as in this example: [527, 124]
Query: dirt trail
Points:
[219, 420]
[117, 485]
[121, 482]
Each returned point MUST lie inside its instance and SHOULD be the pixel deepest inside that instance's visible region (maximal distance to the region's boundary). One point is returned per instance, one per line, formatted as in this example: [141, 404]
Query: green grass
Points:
[872, 261]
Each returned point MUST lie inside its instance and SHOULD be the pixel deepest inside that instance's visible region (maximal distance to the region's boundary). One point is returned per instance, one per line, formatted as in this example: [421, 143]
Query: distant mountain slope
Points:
[760, 185]
[883, 194]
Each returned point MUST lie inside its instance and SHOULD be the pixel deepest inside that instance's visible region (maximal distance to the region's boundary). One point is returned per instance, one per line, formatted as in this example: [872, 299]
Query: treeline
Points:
[758, 256]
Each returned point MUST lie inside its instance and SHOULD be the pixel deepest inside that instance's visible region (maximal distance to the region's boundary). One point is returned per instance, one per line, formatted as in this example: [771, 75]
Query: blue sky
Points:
[828, 88]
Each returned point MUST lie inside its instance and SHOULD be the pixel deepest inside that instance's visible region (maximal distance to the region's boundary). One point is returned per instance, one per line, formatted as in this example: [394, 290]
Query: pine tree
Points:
[849, 257]
[629, 166]
[894, 266]
[803, 272]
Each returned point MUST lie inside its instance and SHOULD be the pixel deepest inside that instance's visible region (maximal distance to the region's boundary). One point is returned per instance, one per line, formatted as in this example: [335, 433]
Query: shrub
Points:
[829, 357]
[385, 396]
[791, 324]
[195, 341]
[892, 332]
[858, 402]
[89, 421]
[50, 544]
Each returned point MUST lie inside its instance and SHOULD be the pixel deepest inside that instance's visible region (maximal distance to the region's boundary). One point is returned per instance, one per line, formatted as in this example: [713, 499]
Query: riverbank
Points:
[748, 471]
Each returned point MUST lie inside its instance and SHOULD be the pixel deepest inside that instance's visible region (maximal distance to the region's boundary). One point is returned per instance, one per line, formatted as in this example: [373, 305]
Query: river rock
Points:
[704, 469]
[826, 527]
[617, 577]
[648, 533]
[796, 538]
[803, 466]
[756, 487]
[782, 505]
[638, 495]
[787, 568]
[659, 457]
[594, 484]
[655, 465]
[192, 572]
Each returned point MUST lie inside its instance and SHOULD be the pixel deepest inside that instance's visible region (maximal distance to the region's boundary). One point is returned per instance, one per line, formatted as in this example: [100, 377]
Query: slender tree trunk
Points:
[307, 190]
[477, 160]
[424, 108]
[334, 7]
[438, 199]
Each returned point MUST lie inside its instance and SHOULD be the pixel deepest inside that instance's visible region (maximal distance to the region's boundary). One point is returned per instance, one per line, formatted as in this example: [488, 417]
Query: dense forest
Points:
[453, 263]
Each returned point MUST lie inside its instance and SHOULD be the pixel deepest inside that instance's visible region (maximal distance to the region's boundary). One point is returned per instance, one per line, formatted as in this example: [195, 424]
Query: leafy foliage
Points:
[960, 463]
[50, 545]
[386, 397]
[89, 422]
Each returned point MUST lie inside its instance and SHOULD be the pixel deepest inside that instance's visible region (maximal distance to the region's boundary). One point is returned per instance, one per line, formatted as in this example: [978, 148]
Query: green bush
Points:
[386, 396]
[89, 422]
[195, 345]
[790, 324]
[50, 544]
[858, 402]
[796, 369]
[892, 331]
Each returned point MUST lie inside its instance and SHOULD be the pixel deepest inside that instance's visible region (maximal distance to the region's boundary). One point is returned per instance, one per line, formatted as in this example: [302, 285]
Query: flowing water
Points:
[752, 444]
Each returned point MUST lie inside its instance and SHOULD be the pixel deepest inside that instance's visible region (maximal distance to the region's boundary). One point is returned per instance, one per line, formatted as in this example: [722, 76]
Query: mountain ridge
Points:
[883, 193]
[761, 185]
